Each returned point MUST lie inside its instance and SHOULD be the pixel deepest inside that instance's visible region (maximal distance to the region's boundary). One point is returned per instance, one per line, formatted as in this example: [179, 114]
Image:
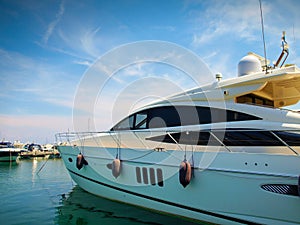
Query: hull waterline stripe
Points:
[209, 213]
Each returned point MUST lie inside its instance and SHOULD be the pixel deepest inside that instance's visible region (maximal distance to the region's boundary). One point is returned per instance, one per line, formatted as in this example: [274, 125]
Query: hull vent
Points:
[285, 189]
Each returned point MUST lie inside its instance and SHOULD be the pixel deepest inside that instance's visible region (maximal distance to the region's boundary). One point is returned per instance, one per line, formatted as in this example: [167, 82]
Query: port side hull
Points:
[218, 194]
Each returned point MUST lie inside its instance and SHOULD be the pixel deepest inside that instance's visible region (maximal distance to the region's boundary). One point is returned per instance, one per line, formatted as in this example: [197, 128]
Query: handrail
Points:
[174, 129]
[282, 141]
[222, 144]
[116, 137]
[174, 140]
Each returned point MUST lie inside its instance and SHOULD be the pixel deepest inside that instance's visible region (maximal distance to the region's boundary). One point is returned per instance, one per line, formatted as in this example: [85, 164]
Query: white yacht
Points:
[224, 153]
[8, 153]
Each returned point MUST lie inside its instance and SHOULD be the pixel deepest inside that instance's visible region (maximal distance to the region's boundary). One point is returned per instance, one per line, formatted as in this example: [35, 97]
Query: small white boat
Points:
[7, 152]
[190, 156]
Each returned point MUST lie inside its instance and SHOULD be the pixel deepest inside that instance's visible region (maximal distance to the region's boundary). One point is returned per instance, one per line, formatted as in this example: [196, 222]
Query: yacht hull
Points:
[8, 156]
[226, 188]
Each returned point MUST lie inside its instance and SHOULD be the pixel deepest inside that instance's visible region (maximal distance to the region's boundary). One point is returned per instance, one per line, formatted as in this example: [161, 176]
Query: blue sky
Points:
[46, 47]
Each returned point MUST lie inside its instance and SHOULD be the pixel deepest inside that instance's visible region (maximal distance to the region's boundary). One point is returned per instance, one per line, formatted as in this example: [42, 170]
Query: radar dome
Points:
[249, 64]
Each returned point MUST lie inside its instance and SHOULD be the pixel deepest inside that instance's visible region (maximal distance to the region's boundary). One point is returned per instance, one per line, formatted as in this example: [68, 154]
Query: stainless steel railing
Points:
[227, 139]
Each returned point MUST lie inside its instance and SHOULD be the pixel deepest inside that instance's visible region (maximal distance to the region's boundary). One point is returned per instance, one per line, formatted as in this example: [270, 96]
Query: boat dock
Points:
[37, 153]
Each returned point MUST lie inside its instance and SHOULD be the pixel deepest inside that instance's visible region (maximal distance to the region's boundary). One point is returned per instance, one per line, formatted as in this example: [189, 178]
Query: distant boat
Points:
[36, 150]
[33, 147]
[7, 152]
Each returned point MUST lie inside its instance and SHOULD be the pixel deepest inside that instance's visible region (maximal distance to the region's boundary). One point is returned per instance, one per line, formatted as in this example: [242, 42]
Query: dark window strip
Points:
[171, 116]
[231, 138]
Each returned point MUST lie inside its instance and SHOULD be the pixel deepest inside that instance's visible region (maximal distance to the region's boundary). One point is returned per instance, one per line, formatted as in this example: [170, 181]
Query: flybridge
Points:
[257, 83]
[279, 88]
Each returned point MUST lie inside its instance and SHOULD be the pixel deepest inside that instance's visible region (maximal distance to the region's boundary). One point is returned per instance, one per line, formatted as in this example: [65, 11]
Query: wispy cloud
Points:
[135, 70]
[88, 40]
[28, 79]
[222, 18]
[83, 63]
[233, 28]
[9, 59]
[240, 20]
[81, 42]
[53, 24]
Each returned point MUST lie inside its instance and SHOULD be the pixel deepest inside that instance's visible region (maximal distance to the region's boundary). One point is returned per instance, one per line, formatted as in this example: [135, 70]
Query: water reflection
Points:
[80, 207]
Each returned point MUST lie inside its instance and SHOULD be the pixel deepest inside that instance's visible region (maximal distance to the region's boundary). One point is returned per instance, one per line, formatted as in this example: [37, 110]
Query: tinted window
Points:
[171, 116]
[125, 124]
[163, 117]
[140, 120]
[231, 138]
[290, 138]
[253, 99]
[190, 115]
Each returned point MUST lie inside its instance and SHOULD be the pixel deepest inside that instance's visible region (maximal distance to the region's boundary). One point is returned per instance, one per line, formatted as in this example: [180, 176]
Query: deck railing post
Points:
[282, 141]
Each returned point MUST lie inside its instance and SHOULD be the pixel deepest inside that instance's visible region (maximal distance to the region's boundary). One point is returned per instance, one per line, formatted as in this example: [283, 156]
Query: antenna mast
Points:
[263, 35]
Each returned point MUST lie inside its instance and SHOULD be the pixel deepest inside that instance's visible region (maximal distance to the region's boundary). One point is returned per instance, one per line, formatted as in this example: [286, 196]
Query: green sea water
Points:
[39, 191]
